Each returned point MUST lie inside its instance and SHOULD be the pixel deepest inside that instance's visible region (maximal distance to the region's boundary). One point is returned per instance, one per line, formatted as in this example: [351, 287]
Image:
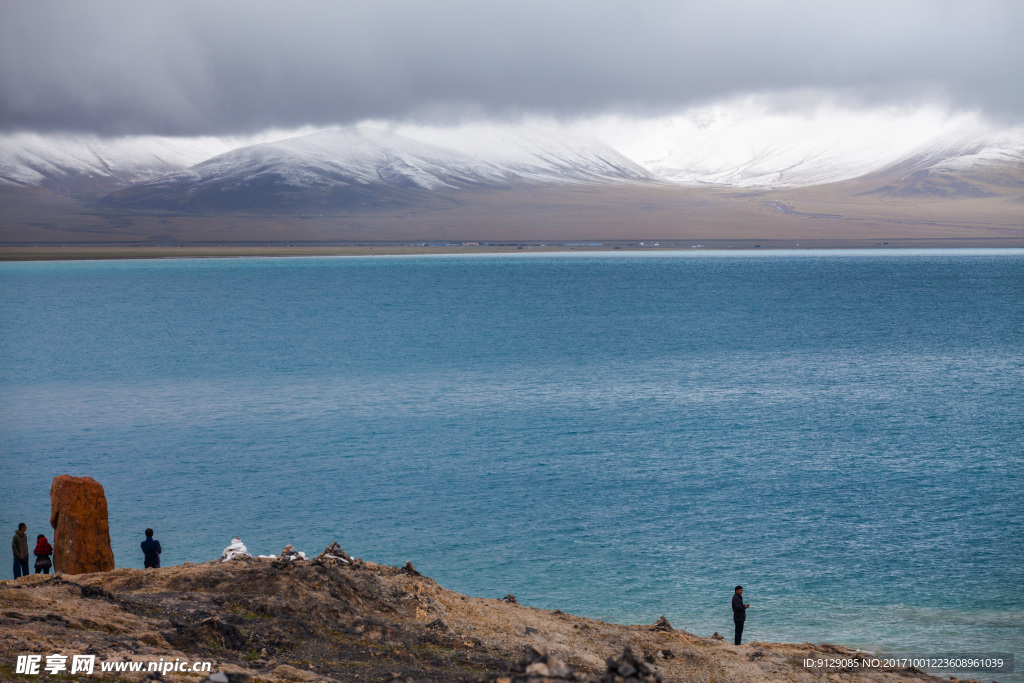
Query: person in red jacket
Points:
[42, 553]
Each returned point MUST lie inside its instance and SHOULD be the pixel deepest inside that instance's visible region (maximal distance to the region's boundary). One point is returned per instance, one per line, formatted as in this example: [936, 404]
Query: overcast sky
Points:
[194, 68]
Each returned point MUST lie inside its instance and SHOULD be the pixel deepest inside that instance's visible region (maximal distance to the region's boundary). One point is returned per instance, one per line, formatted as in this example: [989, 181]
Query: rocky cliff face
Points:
[81, 535]
[336, 618]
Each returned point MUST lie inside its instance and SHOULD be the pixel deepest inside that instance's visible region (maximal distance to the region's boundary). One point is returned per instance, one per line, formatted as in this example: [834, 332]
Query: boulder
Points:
[81, 533]
[541, 664]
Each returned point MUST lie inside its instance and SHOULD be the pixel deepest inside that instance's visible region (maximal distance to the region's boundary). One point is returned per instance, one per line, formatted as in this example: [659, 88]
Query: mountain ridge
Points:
[395, 160]
[351, 168]
[491, 182]
[68, 164]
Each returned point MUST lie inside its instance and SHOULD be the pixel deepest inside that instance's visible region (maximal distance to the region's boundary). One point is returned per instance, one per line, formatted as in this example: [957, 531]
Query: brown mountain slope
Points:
[860, 212]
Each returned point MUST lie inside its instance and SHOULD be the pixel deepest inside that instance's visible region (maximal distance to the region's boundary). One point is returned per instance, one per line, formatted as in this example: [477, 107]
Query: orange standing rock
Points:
[81, 534]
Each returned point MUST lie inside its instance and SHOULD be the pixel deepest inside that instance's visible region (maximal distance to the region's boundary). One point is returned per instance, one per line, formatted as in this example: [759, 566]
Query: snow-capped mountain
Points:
[366, 166]
[535, 151]
[987, 168]
[749, 144]
[70, 164]
[746, 144]
[767, 165]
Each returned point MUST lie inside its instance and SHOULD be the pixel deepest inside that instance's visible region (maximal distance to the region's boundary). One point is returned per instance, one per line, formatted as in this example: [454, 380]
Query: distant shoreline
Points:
[80, 252]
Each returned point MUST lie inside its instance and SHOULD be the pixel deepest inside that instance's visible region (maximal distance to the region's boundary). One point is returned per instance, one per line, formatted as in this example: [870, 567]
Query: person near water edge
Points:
[19, 545]
[151, 548]
[42, 553]
[739, 612]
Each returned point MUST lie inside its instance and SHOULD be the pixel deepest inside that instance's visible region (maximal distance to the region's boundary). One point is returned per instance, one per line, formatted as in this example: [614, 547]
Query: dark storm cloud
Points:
[234, 67]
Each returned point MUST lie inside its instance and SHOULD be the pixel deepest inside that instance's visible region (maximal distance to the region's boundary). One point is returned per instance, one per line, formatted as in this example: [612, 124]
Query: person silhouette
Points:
[19, 546]
[151, 548]
[42, 552]
[739, 612]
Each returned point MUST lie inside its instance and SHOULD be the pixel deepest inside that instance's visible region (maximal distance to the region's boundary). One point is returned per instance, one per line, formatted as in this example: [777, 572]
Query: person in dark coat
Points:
[739, 612]
[19, 546]
[42, 553]
[151, 548]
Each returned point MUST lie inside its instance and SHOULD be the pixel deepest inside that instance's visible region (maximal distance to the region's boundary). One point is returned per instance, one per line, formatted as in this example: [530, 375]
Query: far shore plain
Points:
[39, 225]
[84, 252]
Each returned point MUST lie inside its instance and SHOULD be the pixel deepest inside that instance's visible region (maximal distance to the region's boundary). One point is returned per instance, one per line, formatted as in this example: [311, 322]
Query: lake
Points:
[615, 435]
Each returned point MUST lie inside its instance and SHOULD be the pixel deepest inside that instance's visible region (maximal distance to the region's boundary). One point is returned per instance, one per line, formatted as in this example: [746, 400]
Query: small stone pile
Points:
[287, 557]
[662, 625]
[290, 554]
[629, 669]
[333, 554]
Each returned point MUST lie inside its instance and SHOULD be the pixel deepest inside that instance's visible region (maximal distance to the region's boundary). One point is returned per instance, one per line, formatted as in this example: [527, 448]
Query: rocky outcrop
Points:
[81, 534]
[275, 620]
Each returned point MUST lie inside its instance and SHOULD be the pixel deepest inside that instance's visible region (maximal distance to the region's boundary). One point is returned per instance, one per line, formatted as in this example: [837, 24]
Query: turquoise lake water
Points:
[620, 436]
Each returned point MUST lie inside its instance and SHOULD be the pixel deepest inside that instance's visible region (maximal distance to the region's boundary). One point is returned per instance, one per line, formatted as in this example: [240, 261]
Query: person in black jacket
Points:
[151, 548]
[739, 612]
[19, 545]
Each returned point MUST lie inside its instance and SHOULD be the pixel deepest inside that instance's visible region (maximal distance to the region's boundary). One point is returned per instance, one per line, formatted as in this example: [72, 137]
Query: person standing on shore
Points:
[739, 612]
[19, 545]
[42, 553]
[151, 548]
